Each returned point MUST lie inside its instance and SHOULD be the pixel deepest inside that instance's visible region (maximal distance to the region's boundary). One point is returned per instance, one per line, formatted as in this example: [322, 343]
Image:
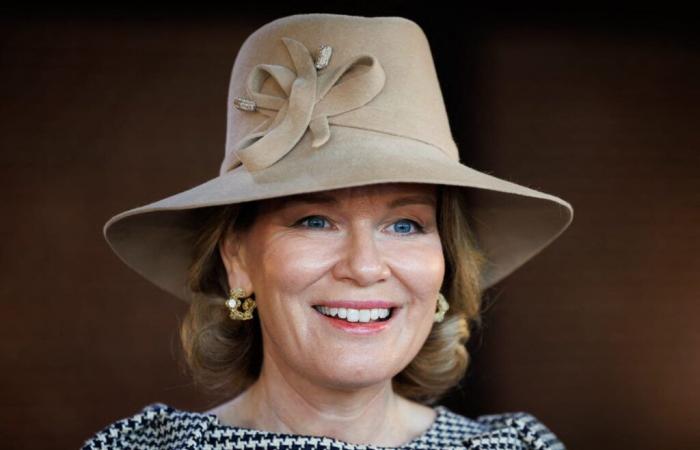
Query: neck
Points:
[288, 403]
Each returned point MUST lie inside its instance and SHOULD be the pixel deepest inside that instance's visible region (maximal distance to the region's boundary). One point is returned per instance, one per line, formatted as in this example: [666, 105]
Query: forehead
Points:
[393, 194]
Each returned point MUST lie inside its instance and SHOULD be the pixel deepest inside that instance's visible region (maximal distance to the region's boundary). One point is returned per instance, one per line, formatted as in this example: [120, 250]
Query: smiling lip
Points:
[358, 304]
[360, 328]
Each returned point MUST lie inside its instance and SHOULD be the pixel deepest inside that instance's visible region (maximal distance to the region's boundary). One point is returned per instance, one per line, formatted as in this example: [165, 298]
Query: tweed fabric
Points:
[160, 426]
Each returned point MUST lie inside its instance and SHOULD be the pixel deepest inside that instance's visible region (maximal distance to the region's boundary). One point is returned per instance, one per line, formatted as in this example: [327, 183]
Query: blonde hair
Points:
[224, 356]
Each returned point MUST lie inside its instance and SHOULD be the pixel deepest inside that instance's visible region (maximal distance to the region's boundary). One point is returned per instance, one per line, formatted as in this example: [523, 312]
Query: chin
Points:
[357, 376]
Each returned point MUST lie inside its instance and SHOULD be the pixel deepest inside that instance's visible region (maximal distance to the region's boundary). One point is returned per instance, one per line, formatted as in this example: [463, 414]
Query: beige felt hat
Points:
[327, 101]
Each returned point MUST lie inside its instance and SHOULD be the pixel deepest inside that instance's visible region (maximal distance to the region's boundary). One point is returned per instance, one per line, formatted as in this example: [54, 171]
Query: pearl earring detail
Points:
[234, 302]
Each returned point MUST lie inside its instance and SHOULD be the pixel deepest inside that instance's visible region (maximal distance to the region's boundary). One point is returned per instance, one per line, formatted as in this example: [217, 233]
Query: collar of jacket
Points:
[519, 431]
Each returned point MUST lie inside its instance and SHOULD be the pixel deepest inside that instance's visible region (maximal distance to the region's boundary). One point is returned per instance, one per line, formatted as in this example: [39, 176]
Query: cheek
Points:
[285, 270]
[421, 268]
[291, 265]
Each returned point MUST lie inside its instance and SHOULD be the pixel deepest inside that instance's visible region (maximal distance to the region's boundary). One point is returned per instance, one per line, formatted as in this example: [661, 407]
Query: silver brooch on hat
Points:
[324, 56]
[244, 104]
[322, 60]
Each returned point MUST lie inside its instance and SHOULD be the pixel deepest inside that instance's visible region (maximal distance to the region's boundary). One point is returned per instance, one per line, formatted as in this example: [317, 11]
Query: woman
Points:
[334, 267]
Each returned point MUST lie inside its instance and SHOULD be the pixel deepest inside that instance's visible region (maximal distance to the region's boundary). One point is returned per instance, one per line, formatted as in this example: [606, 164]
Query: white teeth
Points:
[354, 315]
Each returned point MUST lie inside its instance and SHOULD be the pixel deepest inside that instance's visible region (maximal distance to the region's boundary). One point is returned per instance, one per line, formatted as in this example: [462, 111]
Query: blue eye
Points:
[313, 219]
[407, 227]
[404, 227]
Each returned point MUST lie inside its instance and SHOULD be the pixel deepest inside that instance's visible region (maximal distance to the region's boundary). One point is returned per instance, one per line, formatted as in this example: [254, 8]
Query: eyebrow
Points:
[316, 198]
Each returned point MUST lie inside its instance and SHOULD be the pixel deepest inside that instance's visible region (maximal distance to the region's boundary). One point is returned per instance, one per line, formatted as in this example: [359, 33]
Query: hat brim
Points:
[512, 223]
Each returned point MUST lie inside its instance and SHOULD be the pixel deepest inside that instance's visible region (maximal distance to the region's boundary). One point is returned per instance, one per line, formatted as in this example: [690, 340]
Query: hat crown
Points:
[380, 76]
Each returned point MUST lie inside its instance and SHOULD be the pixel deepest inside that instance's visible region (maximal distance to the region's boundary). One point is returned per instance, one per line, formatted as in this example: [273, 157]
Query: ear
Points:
[232, 252]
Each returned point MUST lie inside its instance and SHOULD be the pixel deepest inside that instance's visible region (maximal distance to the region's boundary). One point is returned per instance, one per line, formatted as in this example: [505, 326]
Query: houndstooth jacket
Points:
[160, 426]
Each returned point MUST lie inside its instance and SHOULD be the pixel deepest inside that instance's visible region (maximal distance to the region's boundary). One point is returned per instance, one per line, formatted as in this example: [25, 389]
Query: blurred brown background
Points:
[597, 336]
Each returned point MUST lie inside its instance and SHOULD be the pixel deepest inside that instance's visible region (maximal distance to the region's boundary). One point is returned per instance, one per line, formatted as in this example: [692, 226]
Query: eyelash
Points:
[420, 229]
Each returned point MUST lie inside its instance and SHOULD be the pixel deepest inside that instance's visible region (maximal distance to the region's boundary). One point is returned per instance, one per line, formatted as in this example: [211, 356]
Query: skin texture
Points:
[317, 379]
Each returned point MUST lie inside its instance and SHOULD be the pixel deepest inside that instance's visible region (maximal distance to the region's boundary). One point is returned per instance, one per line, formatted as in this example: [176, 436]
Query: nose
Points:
[361, 259]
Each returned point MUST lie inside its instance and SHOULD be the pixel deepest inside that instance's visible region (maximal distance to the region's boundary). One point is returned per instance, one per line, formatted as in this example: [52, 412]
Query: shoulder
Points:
[506, 431]
[158, 425]
[151, 427]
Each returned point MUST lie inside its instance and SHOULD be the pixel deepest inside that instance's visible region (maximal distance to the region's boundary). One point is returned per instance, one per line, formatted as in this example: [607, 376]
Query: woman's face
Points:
[377, 243]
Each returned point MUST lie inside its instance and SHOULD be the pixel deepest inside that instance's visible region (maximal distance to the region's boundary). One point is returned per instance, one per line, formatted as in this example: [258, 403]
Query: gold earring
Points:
[234, 302]
[442, 308]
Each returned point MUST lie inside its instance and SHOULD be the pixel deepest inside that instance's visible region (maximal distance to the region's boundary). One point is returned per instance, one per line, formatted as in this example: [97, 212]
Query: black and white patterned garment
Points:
[160, 426]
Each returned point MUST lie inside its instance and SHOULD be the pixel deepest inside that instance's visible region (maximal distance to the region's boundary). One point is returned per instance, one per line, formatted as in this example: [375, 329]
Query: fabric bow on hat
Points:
[311, 98]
